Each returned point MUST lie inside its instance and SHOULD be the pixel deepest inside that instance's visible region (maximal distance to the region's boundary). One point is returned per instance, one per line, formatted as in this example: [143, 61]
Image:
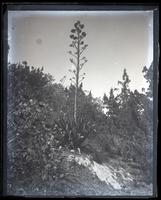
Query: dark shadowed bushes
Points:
[40, 124]
[73, 134]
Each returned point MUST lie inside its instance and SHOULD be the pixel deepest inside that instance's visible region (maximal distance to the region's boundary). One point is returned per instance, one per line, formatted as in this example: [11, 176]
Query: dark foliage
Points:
[129, 119]
[41, 124]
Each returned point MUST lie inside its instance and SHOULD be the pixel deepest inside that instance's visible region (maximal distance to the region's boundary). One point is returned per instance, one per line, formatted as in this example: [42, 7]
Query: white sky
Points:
[116, 40]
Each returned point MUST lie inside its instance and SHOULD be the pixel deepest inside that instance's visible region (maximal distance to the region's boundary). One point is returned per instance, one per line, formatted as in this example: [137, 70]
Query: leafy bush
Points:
[40, 122]
[32, 156]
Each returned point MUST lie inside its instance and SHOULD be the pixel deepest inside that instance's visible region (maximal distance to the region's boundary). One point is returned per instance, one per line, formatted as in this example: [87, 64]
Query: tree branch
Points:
[72, 71]
[81, 65]
[72, 61]
[72, 54]
[83, 48]
[72, 81]
[81, 79]
[75, 45]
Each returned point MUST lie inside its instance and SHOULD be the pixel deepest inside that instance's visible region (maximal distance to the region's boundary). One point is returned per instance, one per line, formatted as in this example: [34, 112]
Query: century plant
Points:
[67, 128]
[78, 61]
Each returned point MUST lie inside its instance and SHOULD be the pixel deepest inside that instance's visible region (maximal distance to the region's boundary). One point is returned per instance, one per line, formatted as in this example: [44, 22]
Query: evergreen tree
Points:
[147, 121]
[123, 99]
[111, 104]
[148, 75]
[125, 91]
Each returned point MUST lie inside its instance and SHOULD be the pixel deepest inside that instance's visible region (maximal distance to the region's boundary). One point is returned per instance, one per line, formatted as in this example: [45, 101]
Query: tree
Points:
[125, 91]
[148, 75]
[147, 118]
[77, 36]
[111, 104]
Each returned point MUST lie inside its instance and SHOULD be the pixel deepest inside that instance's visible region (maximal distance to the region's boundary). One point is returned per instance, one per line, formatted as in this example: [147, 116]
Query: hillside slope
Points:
[84, 177]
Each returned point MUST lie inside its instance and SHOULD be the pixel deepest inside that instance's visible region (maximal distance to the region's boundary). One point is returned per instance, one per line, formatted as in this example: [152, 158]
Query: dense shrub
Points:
[72, 134]
[40, 123]
[31, 136]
